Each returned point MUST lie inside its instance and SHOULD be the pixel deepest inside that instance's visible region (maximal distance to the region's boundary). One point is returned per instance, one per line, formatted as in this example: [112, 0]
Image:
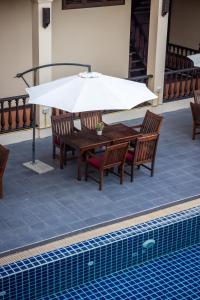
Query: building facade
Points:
[99, 35]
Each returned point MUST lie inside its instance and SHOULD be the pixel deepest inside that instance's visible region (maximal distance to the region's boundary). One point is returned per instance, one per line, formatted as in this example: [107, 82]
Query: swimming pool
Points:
[159, 259]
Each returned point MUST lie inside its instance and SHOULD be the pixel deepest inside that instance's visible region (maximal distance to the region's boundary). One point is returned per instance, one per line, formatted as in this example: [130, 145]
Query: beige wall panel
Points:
[185, 23]
[15, 44]
[97, 36]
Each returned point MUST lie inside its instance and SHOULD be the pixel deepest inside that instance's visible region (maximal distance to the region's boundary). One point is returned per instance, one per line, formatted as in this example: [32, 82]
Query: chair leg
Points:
[101, 181]
[54, 151]
[107, 172]
[132, 173]
[152, 168]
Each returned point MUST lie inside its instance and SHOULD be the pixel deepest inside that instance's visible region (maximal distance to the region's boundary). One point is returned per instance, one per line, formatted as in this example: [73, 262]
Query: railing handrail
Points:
[181, 70]
[13, 98]
[140, 77]
[182, 47]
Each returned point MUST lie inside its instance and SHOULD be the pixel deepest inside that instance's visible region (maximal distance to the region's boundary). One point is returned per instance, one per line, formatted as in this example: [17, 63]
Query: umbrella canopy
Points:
[196, 59]
[90, 91]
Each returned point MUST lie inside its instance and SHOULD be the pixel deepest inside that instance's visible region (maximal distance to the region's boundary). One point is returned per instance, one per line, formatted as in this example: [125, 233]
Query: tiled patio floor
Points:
[39, 207]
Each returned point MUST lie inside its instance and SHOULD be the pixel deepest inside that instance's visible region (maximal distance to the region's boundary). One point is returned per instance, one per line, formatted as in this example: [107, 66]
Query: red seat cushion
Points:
[129, 155]
[95, 161]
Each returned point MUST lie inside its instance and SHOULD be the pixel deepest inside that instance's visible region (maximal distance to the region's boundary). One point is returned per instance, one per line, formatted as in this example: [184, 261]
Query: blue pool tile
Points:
[175, 276]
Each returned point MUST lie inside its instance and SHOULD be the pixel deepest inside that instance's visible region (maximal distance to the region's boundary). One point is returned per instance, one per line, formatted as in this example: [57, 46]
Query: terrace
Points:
[40, 207]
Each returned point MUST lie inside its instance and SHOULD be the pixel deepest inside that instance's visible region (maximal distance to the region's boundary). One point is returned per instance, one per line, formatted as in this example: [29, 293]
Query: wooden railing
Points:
[15, 113]
[176, 62]
[181, 84]
[139, 39]
[181, 50]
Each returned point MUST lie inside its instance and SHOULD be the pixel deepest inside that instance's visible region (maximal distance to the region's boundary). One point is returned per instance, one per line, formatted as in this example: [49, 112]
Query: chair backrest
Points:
[3, 159]
[62, 124]
[145, 148]
[89, 119]
[115, 155]
[197, 96]
[195, 108]
[151, 123]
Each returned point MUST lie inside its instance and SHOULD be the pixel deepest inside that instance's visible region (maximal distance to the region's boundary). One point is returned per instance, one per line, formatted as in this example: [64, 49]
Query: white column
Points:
[157, 49]
[42, 52]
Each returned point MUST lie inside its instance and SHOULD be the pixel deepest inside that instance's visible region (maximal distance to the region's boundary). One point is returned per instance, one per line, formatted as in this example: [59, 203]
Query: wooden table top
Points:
[88, 139]
[119, 132]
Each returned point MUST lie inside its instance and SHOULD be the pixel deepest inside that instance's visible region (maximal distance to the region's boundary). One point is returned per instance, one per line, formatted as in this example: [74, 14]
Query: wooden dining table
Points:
[87, 140]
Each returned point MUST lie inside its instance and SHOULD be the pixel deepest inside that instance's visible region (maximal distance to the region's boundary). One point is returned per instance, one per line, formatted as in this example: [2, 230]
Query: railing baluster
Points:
[17, 113]
[10, 115]
[2, 118]
[169, 89]
[192, 84]
[181, 85]
[186, 85]
[180, 50]
[175, 86]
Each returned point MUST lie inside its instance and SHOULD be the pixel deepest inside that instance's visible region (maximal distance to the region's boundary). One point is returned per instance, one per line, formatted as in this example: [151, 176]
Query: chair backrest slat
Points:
[3, 159]
[115, 155]
[145, 148]
[197, 96]
[151, 123]
[89, 119]
[62, 124]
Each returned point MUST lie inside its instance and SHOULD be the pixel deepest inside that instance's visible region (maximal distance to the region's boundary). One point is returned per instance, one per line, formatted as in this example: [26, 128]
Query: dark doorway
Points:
[140, 15]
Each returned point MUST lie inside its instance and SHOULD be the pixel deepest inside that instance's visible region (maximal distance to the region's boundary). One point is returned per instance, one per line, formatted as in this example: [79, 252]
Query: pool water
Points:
[175, 276]
[158, 259]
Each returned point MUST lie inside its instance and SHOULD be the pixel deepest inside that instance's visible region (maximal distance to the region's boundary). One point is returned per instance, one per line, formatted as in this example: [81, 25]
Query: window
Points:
[70, 4]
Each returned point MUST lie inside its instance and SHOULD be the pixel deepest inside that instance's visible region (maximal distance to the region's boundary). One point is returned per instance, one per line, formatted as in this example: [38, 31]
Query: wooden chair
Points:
[151, 123]
[197, 96]
[144, 152]
[3, 161]
[61, 125]
[195, 108]
[89, 119]
[114, 156]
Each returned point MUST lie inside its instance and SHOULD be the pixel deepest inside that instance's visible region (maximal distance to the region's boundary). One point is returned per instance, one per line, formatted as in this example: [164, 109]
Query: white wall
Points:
[97, 36]
[185, 23]
[15, 44]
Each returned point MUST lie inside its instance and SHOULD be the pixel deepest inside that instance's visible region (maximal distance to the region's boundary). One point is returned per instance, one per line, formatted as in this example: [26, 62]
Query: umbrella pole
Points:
[33, 142]
[34, 119]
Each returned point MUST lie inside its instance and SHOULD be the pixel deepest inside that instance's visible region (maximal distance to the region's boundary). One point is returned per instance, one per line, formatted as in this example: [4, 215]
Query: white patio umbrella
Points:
[195, 58]
[87, 91]
[90, 91]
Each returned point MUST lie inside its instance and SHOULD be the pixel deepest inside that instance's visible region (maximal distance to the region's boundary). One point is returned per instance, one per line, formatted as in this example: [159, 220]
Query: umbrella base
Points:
[38, 167]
